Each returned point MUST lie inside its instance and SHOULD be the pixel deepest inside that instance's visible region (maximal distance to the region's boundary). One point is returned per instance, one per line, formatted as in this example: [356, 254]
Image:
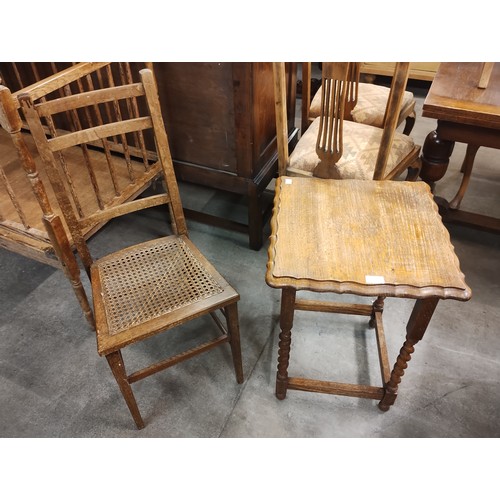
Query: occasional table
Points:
[367, 238]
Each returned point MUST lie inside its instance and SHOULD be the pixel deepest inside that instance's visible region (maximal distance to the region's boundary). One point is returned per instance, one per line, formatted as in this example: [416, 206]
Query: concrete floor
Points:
[53, 383]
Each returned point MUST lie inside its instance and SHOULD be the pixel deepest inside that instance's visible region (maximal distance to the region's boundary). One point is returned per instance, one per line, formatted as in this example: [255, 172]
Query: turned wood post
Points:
[417, 324]
[11, 121]
[435, 158]
[285, 337]
[378, 306]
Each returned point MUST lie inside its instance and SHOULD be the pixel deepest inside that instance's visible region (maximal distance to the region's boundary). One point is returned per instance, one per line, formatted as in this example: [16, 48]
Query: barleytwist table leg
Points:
[286, 323]
[417, 324]
[391, 389]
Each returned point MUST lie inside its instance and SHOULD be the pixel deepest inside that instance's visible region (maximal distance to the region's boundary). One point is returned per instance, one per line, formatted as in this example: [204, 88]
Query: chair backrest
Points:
[335, 87]
[339, 95]
[130, 110]
[353, 88]
[352, 92]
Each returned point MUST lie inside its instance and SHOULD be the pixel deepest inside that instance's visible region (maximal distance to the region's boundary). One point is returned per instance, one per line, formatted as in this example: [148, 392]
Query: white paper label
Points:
[288, 181]
[374, 280]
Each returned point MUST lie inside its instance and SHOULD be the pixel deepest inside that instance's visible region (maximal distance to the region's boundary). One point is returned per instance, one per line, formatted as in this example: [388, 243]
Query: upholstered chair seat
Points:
[361, 144]
[370, 108]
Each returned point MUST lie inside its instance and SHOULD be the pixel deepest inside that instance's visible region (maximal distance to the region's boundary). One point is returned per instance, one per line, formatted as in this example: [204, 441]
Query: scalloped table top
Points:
[362, 237]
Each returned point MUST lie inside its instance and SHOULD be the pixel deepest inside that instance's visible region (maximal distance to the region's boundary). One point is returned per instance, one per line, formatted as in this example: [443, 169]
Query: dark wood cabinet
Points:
[221, 127]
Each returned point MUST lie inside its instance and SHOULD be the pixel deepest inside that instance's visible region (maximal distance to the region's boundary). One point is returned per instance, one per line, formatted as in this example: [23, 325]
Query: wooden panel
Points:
[242, 77]
[418, 70]
[197, 107]
[263, 110]
[264, 123]
[263, 94]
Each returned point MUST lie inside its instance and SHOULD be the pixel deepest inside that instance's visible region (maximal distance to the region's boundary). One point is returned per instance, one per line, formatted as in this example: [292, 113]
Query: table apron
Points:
[468, 134]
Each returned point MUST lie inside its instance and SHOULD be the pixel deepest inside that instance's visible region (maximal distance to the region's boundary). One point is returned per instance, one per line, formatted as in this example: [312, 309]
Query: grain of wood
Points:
[331, 235]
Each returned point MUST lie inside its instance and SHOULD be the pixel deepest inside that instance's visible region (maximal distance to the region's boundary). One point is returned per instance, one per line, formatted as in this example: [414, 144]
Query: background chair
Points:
[366, 104]
[333, 147]
[147, 288]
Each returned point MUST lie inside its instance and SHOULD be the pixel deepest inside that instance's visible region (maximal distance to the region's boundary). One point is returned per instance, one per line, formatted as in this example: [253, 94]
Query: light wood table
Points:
[367, 238]
[468, 114]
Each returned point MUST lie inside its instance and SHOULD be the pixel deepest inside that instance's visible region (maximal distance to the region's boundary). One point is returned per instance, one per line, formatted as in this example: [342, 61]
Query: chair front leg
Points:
[233, 329]
[117, 366]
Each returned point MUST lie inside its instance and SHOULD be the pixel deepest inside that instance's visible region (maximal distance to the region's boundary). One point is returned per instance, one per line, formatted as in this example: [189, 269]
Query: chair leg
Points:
[409, 124]
[414, 171]
[233, 329]
[117, 366]
[417, 324]
[286, 323]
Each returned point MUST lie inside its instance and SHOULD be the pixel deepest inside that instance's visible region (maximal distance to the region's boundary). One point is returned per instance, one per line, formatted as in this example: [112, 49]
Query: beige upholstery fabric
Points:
[370, 108]
[360, 148]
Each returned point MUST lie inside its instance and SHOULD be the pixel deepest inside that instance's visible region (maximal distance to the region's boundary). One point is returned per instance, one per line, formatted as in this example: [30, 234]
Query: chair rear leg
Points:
[409, 124]
[115, 361]
[233, 329]
[414, 170]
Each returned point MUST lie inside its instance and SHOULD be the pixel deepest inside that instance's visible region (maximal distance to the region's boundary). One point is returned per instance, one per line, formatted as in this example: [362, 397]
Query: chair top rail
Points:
[58, 80]
[90, 98]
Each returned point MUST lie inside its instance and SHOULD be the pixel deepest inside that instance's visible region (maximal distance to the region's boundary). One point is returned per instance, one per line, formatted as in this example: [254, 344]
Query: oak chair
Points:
[366, 103]
[151, 287]
[333, 147]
